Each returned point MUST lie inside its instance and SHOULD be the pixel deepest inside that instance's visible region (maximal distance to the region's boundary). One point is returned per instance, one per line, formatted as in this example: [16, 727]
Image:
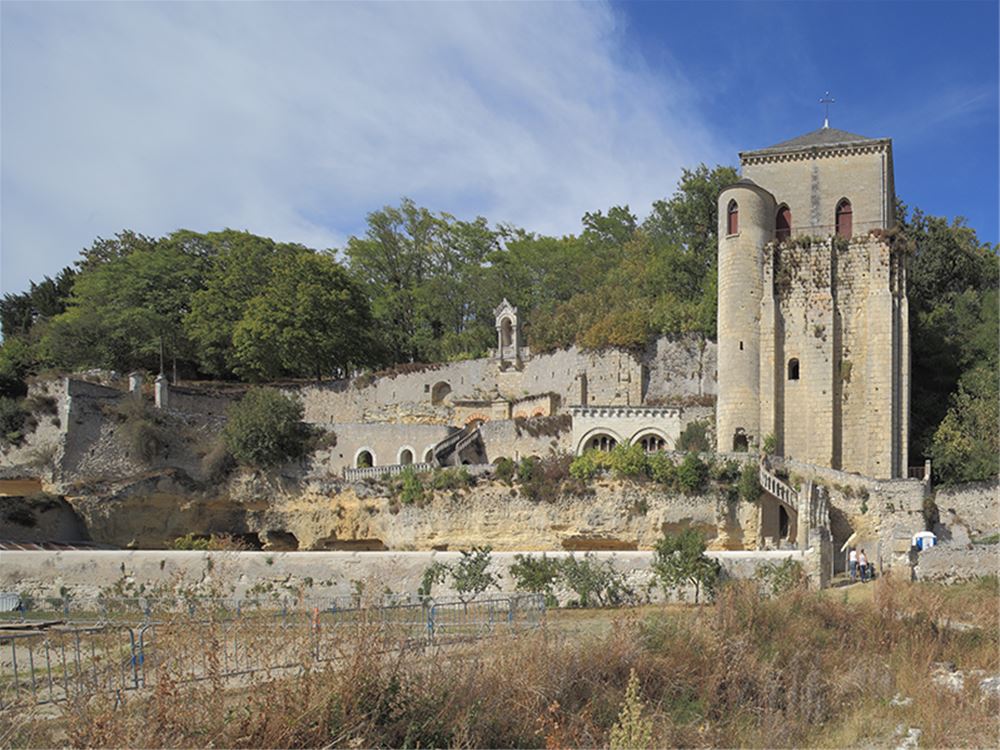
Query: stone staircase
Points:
[811, 503]
[448, 451]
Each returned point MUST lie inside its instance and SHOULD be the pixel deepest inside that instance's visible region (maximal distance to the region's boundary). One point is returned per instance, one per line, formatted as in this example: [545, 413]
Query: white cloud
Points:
[295, 120]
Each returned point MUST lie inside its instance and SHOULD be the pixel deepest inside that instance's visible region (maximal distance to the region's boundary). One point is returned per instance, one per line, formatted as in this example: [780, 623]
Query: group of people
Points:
[857, 563]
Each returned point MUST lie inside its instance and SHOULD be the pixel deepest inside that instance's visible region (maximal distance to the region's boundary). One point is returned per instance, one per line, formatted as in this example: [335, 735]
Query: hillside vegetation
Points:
[420, 286]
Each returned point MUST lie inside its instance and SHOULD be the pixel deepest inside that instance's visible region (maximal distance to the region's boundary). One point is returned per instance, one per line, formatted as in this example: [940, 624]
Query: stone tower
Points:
[813, 320]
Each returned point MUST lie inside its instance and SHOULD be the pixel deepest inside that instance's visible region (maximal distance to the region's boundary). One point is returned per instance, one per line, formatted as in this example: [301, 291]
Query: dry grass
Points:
[800, 670]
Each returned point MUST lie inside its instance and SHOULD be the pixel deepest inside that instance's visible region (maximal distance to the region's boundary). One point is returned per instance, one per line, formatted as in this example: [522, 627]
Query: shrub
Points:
[536, 575]
[770, 444]
[628, 462]
[265, 429]
[411, 489]
[587, 466]
[594, 582]
[749, 483]
[724, 471]
[504, 470]
[471, 576]
[692, 474]
[632, 731]
[451, 479]
[526, 469]
[12, 420]
[544, 477]
[694, 437]
[680, 559]
[141, 430]
[778, 578]
[663, 469]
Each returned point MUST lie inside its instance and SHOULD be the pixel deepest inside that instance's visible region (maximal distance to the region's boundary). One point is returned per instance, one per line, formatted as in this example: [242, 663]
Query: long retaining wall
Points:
[306, 577]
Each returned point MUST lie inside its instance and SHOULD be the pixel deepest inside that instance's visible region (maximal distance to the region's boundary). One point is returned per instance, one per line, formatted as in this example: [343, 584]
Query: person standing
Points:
[863, 566]
[852, 564]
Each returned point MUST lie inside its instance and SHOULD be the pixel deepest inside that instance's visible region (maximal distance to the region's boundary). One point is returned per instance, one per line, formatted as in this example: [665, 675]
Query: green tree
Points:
[471, 575]
[966, 444]
[680, 560]
[311, 319]
[265, 429]
[952, 290]
[127, 308]
[692, 474]
[536, 575]
[242, 265]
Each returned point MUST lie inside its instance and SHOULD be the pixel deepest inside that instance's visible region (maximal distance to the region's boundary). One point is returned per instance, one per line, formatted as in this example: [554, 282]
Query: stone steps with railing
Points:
[770, 483]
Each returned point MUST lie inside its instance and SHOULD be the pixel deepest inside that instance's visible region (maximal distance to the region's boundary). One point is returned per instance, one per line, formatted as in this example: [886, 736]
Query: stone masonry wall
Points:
[302, 579]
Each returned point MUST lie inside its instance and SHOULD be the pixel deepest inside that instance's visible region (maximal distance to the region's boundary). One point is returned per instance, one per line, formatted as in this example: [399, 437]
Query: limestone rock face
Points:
[149, 513]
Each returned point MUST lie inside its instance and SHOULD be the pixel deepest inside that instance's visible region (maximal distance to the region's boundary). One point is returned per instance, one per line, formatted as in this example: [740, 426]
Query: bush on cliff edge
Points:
[265, 429]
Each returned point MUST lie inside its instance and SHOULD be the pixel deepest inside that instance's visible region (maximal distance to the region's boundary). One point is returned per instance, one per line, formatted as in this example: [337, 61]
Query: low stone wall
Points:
[307, 578]
[948, 563]
[974, 506]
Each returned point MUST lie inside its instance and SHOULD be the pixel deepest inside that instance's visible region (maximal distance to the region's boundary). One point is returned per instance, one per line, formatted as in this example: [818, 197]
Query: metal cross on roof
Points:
[827, 101]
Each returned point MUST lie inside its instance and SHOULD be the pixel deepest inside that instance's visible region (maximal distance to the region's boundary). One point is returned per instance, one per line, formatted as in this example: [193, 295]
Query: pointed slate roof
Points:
[821, 138]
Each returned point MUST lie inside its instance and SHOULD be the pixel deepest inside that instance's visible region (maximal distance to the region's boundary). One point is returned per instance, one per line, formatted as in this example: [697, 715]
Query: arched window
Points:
[506, 332]
[439, 392]
[783, 224]
[845, 218]
[365, 459]
[793, 369]
[733, 218]
[652, 443]
[602, 443]
[406, 456]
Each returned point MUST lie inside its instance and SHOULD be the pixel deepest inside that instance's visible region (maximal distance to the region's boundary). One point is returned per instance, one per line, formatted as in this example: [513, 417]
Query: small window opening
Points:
[783, 522]
[652, 443]
[365, 460]
[741, 443]
[783, 224]
[602, 443]
[845, 219]
[793, 369]
[406, 457]
[733, 218]
[741, 346]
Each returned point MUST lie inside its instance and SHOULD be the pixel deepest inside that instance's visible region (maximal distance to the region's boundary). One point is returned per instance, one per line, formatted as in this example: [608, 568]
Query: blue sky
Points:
[296, 120]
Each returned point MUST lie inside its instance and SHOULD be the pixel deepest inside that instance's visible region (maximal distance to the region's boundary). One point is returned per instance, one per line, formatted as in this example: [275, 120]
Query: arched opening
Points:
[783, 224]
[439, 392]
[733, 218]
[651, 443]
[601, 442]
[793, 369]
[506, 332]
[783, 522]
[406, 456]
[364, 460]
[845, 218]
[741, 443]
[429, 455]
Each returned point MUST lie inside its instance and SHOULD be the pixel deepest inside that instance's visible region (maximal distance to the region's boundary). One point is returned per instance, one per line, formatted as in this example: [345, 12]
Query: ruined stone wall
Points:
[840, 312]
[974, 506]
[946, 563]
[672, 370]
[536, 437]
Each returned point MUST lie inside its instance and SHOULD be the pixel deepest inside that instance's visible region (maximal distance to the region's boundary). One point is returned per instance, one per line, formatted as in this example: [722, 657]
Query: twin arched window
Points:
[733, 218]
[845, 218]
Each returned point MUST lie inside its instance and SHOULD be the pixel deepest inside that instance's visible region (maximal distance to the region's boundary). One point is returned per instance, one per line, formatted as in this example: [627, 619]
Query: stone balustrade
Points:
[388, 470]
[770, 483]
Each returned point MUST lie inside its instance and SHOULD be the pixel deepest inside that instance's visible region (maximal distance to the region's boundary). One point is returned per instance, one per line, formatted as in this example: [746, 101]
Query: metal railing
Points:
[65, 662]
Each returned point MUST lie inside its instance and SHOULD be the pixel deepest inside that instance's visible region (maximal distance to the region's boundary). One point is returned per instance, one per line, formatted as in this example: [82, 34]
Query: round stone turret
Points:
[746, 222]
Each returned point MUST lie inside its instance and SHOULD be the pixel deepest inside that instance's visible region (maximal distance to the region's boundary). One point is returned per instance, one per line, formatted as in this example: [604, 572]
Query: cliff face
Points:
[151, 511]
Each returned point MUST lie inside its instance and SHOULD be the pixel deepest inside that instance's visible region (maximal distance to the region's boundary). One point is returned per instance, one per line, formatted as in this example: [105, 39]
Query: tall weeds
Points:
[802, 669]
